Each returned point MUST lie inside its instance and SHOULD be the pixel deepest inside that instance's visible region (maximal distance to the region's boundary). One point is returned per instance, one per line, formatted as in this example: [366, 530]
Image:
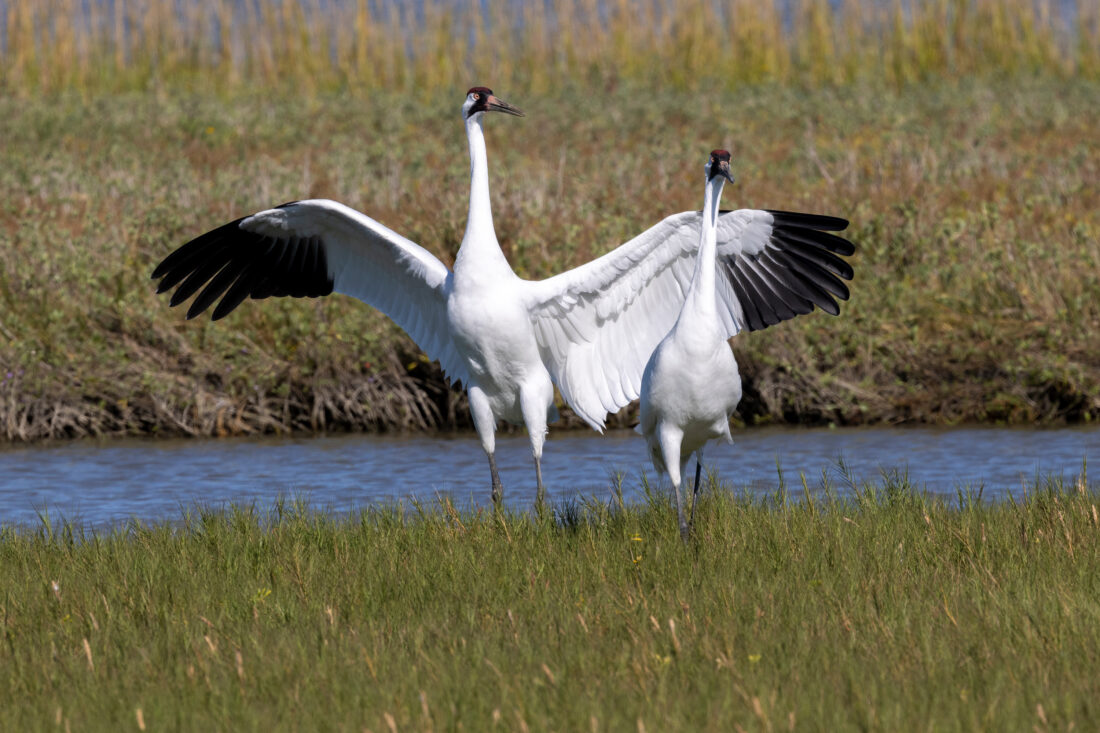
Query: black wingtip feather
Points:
[800, 268]
[255, 274]
[305, 263]
[785, 303]
[817, 257]
[819, 285]
[266, 285]
[834, 286]
[196, 246]
[787, 283]
[180, 263]
[810, 265]
[813, 221]
[218, 285]
[753, 320]
[198, 278]
[772, 308]
[233, 264]
[816, 238]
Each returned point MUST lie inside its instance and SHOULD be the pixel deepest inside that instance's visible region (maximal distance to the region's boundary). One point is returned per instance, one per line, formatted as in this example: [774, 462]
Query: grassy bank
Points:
[891, 611]
[976, 298]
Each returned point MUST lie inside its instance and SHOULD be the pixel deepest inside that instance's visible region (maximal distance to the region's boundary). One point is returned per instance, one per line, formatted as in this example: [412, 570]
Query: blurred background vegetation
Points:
[439, 45]
[960, 138]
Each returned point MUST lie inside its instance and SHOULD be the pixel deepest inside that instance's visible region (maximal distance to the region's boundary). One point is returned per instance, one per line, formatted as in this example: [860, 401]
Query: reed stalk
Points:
[309, 46]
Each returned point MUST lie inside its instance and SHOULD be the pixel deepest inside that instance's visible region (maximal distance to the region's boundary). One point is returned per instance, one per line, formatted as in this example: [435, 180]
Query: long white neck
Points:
[700, 297]
[479, 243]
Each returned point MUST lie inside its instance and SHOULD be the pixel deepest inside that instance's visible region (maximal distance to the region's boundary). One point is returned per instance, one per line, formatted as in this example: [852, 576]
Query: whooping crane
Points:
[690, 386]
[589, 330]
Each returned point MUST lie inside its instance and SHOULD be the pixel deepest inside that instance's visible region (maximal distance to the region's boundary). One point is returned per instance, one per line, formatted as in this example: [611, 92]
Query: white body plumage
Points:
[691, 385]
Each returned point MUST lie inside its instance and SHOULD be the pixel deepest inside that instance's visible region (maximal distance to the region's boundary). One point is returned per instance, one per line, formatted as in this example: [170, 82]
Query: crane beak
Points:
[723, 170]
[493, 104]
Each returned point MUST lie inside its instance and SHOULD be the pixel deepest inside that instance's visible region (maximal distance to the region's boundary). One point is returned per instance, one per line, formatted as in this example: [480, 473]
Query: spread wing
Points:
[597, 324]
[310, 249]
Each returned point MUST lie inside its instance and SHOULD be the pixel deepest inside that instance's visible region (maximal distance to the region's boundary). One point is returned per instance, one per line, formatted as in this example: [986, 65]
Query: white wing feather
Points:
[371, 262]
[597, 324]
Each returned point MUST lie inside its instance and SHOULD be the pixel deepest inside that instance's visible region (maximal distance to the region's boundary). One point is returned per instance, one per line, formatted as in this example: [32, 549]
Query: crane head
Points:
[719, 165]
[482, 99]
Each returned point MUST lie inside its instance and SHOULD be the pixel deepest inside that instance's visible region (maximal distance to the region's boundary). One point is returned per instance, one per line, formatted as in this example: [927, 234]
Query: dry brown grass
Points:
[977, 290]
[226, 45]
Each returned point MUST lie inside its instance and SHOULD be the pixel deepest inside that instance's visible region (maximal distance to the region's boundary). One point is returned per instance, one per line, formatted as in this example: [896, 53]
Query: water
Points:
[104, 483]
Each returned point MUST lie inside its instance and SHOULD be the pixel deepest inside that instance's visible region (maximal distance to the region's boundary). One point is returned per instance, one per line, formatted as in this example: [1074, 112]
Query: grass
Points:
[363, 47]
[976, 298]
[957, 137]
[889, 610]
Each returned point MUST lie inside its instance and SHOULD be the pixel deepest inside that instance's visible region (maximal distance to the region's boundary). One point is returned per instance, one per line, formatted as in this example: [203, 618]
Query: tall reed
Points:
[364, 45]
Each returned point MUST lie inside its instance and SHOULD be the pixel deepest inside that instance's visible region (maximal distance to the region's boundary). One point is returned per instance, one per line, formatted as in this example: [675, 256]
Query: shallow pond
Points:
[100, 483]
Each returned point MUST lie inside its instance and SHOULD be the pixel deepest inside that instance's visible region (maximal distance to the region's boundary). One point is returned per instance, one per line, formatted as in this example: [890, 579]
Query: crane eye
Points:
[475, 96]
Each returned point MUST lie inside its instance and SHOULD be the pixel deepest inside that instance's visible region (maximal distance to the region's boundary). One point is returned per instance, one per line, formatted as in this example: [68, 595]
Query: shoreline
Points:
[426, 405]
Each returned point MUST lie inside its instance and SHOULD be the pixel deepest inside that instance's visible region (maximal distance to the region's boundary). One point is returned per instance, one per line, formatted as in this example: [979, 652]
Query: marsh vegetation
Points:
[958, 138]
[977, 291]
[887, 610]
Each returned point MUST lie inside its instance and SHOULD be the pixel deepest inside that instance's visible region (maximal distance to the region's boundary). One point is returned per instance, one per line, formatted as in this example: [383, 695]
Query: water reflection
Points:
[99, 483]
